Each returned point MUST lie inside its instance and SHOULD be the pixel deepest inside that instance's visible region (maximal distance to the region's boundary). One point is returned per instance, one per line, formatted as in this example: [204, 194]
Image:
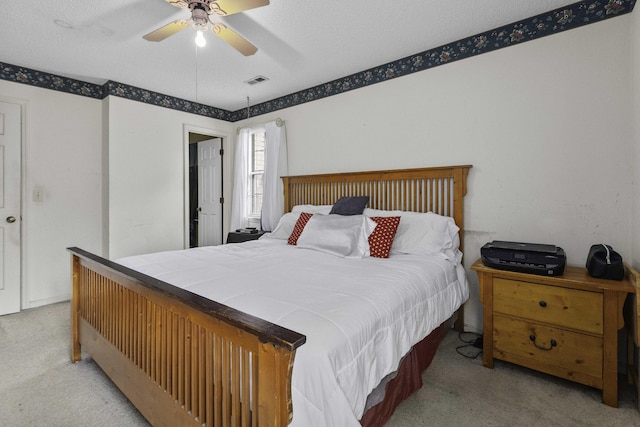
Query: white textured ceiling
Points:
[302, 43]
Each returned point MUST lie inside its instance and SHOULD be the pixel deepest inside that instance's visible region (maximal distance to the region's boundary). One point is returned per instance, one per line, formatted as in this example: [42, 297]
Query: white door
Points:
[10, 165]
[209, 192]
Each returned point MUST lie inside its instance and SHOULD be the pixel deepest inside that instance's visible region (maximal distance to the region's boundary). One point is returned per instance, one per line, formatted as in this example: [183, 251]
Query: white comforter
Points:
[360, 316]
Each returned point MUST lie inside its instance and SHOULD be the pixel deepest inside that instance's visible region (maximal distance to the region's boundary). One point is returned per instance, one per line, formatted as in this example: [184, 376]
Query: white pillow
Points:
[313, 209]
[346, 236]
[423, 233]
[284, 228]
[288, 221]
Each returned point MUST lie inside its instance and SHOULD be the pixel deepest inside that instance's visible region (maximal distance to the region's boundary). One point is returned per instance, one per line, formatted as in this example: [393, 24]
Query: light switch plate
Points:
[38, 195]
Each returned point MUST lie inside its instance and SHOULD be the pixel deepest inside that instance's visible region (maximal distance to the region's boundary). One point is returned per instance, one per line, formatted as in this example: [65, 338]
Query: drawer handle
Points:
[553, 343]
[543, 304]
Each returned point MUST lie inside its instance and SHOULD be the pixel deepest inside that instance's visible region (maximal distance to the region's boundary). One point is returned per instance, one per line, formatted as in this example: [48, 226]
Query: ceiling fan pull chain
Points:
[197, 74]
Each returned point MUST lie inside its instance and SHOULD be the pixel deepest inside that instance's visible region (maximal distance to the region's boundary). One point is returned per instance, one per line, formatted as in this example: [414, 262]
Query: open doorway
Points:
[205, 183]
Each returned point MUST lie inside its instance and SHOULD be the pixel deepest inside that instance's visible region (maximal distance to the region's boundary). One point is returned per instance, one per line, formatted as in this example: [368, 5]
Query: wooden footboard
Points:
[181, 359]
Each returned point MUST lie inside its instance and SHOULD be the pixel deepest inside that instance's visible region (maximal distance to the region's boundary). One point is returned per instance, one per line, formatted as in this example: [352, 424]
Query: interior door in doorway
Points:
[209, 192]
[10, 218]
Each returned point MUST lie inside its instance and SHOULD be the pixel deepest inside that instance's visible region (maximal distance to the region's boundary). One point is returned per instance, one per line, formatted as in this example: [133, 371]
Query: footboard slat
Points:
[226, 380]
[217, 385]
[180, 359]
[246, 395]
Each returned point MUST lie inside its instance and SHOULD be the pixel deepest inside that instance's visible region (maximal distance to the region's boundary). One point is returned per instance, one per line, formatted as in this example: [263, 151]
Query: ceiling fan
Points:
[200, 11]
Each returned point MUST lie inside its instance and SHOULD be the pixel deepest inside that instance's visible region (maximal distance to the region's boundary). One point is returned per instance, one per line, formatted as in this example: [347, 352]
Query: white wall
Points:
[62, 156]
[547, 126]
[71, 142]
[146, 181]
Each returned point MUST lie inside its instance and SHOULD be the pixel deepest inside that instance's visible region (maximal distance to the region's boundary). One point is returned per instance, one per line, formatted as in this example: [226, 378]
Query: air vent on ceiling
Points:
[256, 80]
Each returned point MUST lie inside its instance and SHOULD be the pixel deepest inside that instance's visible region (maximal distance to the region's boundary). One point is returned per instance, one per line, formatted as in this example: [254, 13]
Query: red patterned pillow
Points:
[381, 239]
[297, 229]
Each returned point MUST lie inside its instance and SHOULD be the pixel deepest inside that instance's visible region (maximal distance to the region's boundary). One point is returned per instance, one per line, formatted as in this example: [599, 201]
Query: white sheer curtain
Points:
[239, 209]
[275, 166]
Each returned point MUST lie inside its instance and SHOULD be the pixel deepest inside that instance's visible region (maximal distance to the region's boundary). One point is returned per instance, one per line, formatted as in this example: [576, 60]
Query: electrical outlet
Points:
[38, 194]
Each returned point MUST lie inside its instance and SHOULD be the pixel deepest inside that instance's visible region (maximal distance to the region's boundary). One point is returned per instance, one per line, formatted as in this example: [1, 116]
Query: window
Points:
[257, 195]
[256, 172]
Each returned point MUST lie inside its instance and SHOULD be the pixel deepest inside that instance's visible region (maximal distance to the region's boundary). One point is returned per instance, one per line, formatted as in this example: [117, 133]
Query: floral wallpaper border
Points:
[562, 19]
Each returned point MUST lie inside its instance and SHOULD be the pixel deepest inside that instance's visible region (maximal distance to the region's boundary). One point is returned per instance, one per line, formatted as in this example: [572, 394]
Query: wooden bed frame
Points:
[182, 359]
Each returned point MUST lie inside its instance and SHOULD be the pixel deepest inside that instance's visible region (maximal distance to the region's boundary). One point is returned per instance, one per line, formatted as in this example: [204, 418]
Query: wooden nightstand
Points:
[239, 237]
[565, 326]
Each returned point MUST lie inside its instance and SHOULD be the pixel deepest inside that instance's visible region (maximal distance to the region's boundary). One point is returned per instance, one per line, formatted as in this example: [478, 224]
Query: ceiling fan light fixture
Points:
[200, 11]
[200, 40]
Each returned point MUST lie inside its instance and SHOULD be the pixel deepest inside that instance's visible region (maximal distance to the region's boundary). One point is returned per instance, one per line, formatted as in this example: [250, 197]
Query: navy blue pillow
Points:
[350, 205]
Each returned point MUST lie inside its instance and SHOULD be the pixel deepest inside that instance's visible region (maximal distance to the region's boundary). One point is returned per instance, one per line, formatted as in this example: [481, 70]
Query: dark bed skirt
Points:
[408, 378]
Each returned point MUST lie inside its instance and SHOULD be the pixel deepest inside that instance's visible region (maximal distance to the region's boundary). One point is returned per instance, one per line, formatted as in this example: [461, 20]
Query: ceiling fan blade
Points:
[234, 39]
[166, 31]
[229, 7]
[184, 4]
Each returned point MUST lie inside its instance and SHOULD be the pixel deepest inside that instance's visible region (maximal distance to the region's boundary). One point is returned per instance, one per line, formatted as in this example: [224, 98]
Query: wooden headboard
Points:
[438, 189]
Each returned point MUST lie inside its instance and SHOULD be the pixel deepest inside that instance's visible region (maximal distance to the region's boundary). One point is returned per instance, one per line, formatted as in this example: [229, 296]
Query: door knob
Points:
[11, 219]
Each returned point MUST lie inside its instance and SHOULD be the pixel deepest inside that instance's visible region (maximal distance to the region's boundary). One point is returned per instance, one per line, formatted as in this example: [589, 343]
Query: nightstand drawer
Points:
[564, 307]
[548, 349]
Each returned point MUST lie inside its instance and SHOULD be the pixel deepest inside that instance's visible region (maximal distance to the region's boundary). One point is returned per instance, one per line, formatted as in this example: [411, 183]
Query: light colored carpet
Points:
[461, 392]
[39, 386]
